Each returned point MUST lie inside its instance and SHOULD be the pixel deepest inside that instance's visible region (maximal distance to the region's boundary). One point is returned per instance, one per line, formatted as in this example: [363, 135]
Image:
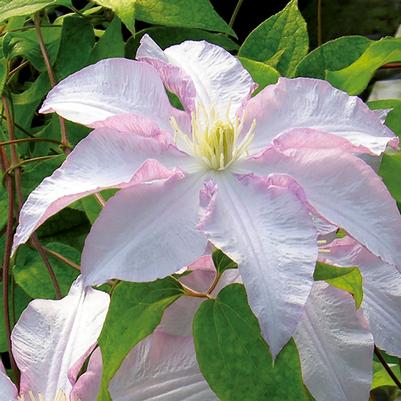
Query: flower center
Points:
[217, 142]
[60, 396]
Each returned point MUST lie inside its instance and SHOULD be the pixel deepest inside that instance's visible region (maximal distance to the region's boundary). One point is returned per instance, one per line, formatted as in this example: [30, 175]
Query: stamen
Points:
[60, 396]
[213, 140]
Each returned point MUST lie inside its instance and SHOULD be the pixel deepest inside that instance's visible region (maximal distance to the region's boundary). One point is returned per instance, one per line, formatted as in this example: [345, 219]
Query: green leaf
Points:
[3, 74]
[283, 36]
[393, 119]
[3, 207]
[125, 9]
[390, 171]
[222, 262]
[234, 358]
[334, 55]
[25, 44]
[135, 311]
[92, 207]
[77, 33]
[355, 78]
[182, 13]
[261, 73]
[381, 377]
[345, 278]
[21, 301]
[111, 44]
[19, 8]
[32, 276]
[166, 36]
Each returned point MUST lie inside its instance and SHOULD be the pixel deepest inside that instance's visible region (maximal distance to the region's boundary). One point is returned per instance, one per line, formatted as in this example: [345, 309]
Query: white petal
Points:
[106, 158]
[145, 232]
[381, 292]
[200, 72]
[267, 230]
[162, 368]
[335, 347]
[110, 87]
[51, 336]
[313, 103]
[87, 386]
[8, 391]
[340, 186]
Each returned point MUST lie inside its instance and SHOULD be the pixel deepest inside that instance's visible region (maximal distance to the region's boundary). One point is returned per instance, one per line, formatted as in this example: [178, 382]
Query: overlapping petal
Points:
[267, 230]
[145, 232]
[8, 390]
[335, 347]
[313, 103]
[51, 336]
[381, 291]
[87, 386]
[110, 87]
[341, 187]
[200, 72]
[105, 159]
[162, 367]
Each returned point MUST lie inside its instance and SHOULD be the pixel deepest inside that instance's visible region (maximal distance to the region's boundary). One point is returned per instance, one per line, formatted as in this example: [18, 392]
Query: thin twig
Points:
[7, 259]
[235, 13]
[52, 79]
[62, 258]
[37, 245]
[16, 69]
[13, 151]
[4, 143]
[16, 163]
[319, 22]
[214, 283]
[388, 369]
[25, 161]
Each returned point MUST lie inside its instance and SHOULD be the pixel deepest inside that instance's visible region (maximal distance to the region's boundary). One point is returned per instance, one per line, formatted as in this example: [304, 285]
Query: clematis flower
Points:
[334, 341]
[250, 175]
[51, 341]
[163, 366]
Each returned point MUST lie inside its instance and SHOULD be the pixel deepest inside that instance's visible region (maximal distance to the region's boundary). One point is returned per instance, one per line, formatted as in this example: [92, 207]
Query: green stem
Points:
[235, 13]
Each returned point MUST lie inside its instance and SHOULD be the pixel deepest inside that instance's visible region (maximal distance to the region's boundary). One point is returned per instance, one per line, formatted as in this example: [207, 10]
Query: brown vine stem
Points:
[52, 79]
[16, 163]
[7, 259]
[394, 378]
[36, 244]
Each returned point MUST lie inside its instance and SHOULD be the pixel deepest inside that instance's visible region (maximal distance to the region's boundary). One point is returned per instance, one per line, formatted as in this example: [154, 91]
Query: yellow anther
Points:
[213, 140]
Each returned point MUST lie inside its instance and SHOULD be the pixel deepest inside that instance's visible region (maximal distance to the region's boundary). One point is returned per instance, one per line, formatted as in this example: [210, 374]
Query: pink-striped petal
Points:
[145, 232]
[381, 291]
[105, 159]
[335, 347]
[340, 186]
[87, 386]
[8, 390]
[200, 72]
[163, 368]
[110, 87]
[267, 230]
[313, 103]
[51, 336]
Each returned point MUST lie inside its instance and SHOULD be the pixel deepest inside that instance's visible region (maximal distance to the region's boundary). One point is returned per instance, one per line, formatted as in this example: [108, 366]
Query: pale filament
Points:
[60, 396]
[215, 140]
